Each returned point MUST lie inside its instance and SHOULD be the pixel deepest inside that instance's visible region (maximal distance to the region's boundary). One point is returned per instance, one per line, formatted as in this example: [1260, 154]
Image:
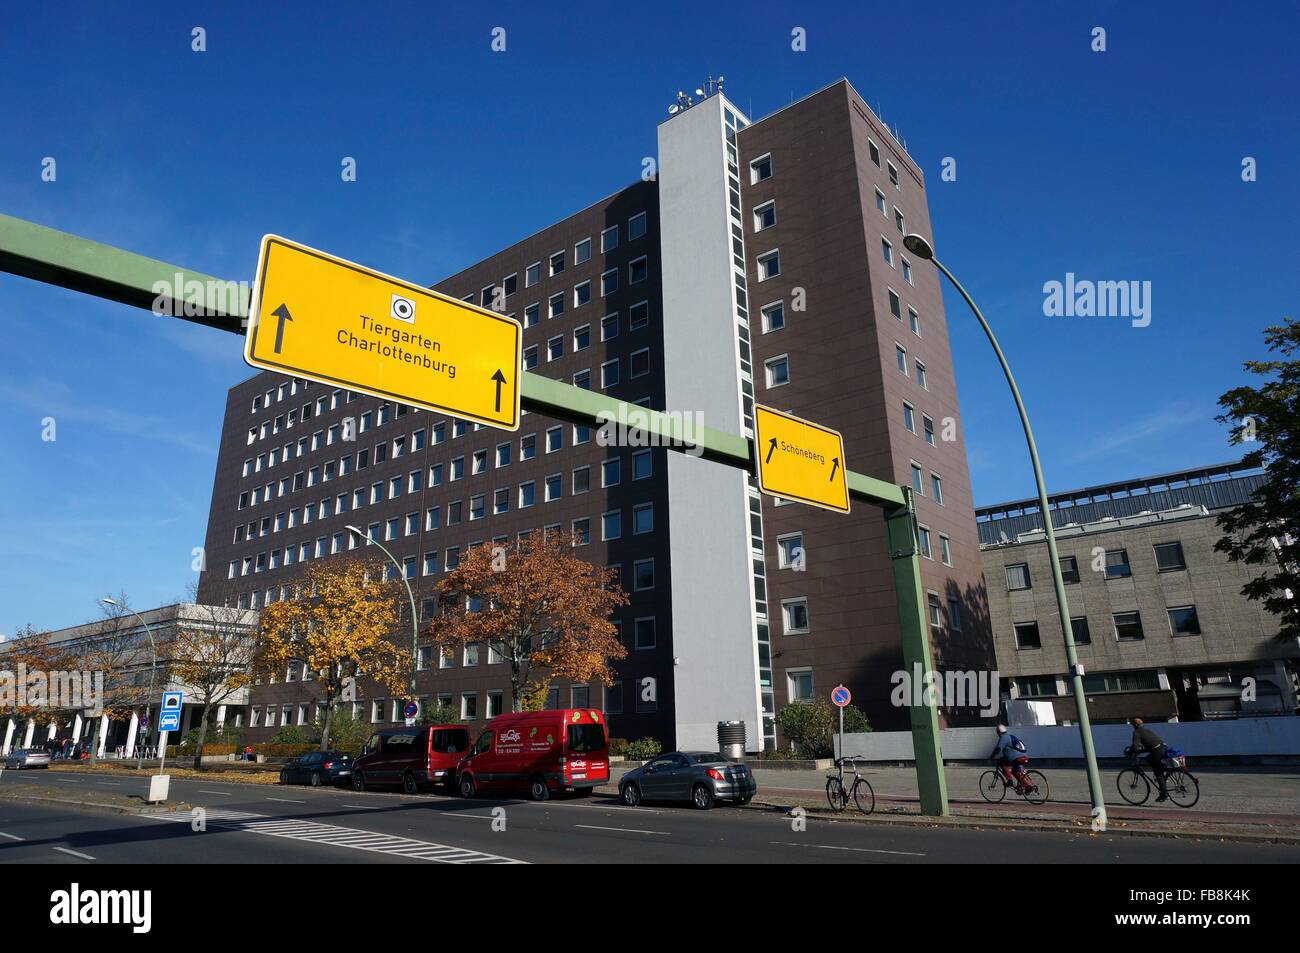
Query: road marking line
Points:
[69, 780]
[285, 800]
[621, 830]
[465, 814]
[861, 850]
[74, 853]
[222, 793]
[11, 836]
[362, 807]
[110, 784]
[331, 835]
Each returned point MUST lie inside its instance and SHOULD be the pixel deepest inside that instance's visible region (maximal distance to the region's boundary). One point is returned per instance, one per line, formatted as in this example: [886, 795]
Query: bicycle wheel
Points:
[835, 794]
[1038, 790]
[1133, 786]
[863, 796]
[991, 787]
[1183, 789]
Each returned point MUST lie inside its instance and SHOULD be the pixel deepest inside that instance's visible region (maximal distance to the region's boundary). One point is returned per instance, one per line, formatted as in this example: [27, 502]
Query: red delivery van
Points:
[540, 751]
[411, 757]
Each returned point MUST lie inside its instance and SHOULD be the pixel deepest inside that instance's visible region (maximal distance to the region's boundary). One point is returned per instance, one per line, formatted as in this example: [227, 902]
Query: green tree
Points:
[348, 732]
[440, 714]
[1265, 532]
[811, 726]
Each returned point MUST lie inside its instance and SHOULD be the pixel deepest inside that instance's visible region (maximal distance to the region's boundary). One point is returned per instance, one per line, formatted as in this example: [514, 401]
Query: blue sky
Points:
[1123, 165]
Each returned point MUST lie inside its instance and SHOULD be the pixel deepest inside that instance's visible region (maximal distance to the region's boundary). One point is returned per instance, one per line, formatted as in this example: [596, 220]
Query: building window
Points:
[764, 216]
[1169, 557]
[773, 316]
[769, 265]
[954, 615]
[799, 684]
[934, 610]
[921, 377]
[1027, 636]
[918, 480]
[533, 274]
[643, 633]
[1069, 569]
[880, 202]
[582, 531]
[1018, 577]
[638, 269]
[887, 251]
[900, 358]
[927, 428]
[794, 616]
[582, 251]
[777, 370]
[936, 488]
[945, 550]
[639, 363]
[554, 439]
[638, 316]
[643, 518]
[557, 263]
[469, 706]
[789, 550]
[914, 322]
[609, 373]
[1079, 629]
[530, 357]
[555, 305]
[636, 226]
[1128, 626]
[909, 418]
[1184, 621]
[609, 239]
[893, 175]
[1117, 566]
[760, 169]
[581, 294]
[923, 538]
[609, 327]
[527, 494]
[643, 574]
[895, 304]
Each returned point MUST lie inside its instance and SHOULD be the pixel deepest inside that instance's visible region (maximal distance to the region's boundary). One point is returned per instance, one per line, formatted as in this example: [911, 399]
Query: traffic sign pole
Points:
[71, 261]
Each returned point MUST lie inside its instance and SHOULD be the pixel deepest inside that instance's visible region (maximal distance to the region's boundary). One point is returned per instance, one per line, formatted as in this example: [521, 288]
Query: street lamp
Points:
[921, 248]
[153, 648]
[415, 620]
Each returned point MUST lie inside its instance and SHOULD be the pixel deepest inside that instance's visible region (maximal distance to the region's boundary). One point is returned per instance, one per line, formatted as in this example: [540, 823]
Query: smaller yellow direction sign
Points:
[799, 460]
[333, 321]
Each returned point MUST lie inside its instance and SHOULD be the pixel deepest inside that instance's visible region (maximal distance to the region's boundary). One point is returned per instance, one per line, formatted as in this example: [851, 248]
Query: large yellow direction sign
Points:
[799, 460]
[329, 320]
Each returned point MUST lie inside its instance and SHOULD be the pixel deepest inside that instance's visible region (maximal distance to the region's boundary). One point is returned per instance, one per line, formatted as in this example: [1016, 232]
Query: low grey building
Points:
[1162, 629]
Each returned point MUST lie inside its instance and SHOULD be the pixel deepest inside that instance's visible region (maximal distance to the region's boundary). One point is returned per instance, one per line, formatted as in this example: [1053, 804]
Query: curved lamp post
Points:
[921, 248]
[415, 619]
[153, 649]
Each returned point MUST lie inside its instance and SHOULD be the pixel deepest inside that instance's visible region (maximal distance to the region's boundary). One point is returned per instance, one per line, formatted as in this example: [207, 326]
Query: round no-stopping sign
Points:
[411, 710]
[841, 696]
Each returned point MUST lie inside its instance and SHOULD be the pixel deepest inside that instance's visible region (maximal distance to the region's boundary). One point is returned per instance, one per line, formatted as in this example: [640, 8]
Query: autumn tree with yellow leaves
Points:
[341, 624]
[545, 610]
[212, 656]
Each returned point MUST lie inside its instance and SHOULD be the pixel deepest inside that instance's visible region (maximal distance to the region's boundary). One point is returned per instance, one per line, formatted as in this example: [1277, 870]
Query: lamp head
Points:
[918, 246]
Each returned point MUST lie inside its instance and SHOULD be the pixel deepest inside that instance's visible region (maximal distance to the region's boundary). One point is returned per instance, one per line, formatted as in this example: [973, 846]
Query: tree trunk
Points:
[516, 703]
[203, 734]
[329, 720]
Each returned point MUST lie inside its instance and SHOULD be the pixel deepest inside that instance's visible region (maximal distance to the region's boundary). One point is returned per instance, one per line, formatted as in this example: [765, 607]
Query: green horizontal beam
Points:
[70, 261]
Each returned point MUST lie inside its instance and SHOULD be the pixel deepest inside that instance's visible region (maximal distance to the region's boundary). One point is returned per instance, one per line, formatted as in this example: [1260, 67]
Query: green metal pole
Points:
[930, 781]
[1062, 604]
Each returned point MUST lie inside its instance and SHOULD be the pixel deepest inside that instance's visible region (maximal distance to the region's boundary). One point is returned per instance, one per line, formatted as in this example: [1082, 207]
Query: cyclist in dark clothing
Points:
[1146, 740]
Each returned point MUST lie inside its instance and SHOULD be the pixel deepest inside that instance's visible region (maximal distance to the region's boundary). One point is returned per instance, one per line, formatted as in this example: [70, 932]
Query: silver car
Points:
[701, 777]
[21, 758]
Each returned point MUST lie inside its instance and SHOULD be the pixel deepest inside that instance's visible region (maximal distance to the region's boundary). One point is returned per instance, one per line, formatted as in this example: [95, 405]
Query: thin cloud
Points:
[1163, 423]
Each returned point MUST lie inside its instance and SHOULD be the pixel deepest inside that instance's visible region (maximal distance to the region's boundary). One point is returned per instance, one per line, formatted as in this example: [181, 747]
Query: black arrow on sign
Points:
[500, 379]
[283, 314]
[771, 449]
[835, 465]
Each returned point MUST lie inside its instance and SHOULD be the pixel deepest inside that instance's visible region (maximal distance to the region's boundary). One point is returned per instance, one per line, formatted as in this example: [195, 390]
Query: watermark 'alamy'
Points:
[630, 427]
[1084, 298]
[953, 689]
[33, 688]
[191, 298]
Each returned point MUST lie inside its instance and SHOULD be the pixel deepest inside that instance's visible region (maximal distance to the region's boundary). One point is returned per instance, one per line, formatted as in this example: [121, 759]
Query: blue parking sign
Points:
[169, 719]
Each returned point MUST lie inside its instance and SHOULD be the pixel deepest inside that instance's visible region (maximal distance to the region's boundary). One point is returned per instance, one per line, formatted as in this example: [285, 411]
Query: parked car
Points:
[543, 752]
[701, 777]
[21, 758]
[317, 768]
[411, 758]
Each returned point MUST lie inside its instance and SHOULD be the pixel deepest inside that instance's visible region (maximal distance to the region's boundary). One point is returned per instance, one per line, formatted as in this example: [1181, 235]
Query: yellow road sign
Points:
[800, 460]
[333, 321]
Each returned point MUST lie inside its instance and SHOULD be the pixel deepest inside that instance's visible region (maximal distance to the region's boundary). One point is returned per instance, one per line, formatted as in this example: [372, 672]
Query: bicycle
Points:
[994, 785]
[1180, 784]
[860, 790]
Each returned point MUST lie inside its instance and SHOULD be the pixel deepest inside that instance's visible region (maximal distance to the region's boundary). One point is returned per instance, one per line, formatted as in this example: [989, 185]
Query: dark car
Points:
[317, 768]
[411, 758]
[701, 777]
[21, 758]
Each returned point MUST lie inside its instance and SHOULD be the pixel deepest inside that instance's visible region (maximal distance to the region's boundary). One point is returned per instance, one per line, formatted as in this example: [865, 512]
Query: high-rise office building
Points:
[765, 264]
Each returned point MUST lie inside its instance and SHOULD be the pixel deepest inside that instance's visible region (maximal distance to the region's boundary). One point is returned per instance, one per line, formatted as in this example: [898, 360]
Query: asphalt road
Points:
[248, 823]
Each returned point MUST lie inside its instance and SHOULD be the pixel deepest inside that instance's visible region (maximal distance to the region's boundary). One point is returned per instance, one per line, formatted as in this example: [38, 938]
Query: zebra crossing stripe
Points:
[334, 836]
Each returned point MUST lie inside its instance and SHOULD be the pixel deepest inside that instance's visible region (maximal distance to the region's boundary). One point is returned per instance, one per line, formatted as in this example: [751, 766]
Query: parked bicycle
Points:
[994, 786]
[860, 790]
[1180, 784]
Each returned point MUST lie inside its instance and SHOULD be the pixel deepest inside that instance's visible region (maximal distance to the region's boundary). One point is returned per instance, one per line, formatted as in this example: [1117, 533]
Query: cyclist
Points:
[1146, 740]
[1009, 754]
